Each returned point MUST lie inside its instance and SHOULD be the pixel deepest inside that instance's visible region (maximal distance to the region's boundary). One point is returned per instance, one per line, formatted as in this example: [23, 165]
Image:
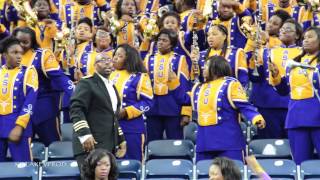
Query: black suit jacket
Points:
[92, 113]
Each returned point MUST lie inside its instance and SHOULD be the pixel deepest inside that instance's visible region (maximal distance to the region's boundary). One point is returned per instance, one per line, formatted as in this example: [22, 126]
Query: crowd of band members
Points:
[205, 68]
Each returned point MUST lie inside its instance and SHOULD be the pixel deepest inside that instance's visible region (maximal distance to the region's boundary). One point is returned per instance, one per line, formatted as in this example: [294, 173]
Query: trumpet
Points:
[113, 22]
[26, 12]
[151, 29]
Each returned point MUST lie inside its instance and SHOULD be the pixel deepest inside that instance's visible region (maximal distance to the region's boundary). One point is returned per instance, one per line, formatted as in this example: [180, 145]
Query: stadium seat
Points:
[18, 171]
[277, 168]
[202, 168]
[169, 168]
[129, 169]
[310, 169]
[38, 151]
[270, 148]
[62, 170]
[60, 150]
[244, 130]
[190, 132]
[170, 149]
[66, 131]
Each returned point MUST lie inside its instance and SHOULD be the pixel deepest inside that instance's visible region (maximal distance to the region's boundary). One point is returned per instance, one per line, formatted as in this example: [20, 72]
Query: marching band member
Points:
[52, 82]
[302, 82]
[217, 39]
[165, 113]
[216, 105]
[134, 87]
[274, 108]
[19, 88]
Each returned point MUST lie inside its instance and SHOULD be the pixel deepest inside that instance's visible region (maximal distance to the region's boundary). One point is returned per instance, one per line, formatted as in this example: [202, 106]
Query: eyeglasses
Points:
[288, 30]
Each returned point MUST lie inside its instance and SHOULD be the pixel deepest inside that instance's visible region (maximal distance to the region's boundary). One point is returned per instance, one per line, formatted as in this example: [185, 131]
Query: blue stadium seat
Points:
[170, 149]
[310, 169]
[63, 170]
[66, 131]
[277, 168]
[18, 171]
[169, 168]
[129, 169]
[270, 148]
[38, 151]
[60, 150]
[202, 168]
[190, 132]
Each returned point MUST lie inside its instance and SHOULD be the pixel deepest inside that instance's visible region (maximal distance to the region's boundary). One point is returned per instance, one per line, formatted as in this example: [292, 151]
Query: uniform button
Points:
[124, 104]
[219, 117]
[17, 79]
[219, 99]
[14, 97]
[15, 88]
[219, 109]
[124, 95]
[14, 107]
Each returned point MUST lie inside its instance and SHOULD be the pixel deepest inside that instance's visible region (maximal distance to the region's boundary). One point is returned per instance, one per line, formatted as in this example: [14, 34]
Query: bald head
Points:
[103, 65]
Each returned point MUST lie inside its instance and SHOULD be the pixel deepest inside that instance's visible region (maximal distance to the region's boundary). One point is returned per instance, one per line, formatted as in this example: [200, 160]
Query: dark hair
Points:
[298, 58]
[228, 168]
[33, 2]
[218, 67]
[90, 164]
[133, 62]
[224, 30]
[298, 27]
[167, 14]
[118, 8]
[173, 36]
[7, 42]
[31, 32]
[190, 3]
[282, 14]
[87, 21]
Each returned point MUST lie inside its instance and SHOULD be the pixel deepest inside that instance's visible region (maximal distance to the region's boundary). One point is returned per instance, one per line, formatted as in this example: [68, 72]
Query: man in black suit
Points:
[95, 105]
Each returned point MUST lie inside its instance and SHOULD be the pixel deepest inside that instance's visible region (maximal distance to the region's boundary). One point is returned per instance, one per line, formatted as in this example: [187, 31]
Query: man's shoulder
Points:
[87, 76]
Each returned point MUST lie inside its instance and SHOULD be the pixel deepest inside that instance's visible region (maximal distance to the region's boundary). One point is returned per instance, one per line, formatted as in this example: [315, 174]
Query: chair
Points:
[60, 150]
[310, 169]
[170, 149]
[270, 148]
[202, 168]
[18, 170]
[67, 131]
[244, 129]
[64, 170]
[277, 168]
[190, 132]
[169, 168]
[129, 169]
[38, 151]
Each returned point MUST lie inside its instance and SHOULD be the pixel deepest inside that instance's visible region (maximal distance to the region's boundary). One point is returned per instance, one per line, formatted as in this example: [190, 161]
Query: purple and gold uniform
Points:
[303, 118]
[316, 18]
[72, 12]
[165, 113]
[44, 33]
[236, 37]
[298, 13]
[216, 106]
[52, 82]
[19, 88]
[136, 96]
[273, 108]
[236, 59]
